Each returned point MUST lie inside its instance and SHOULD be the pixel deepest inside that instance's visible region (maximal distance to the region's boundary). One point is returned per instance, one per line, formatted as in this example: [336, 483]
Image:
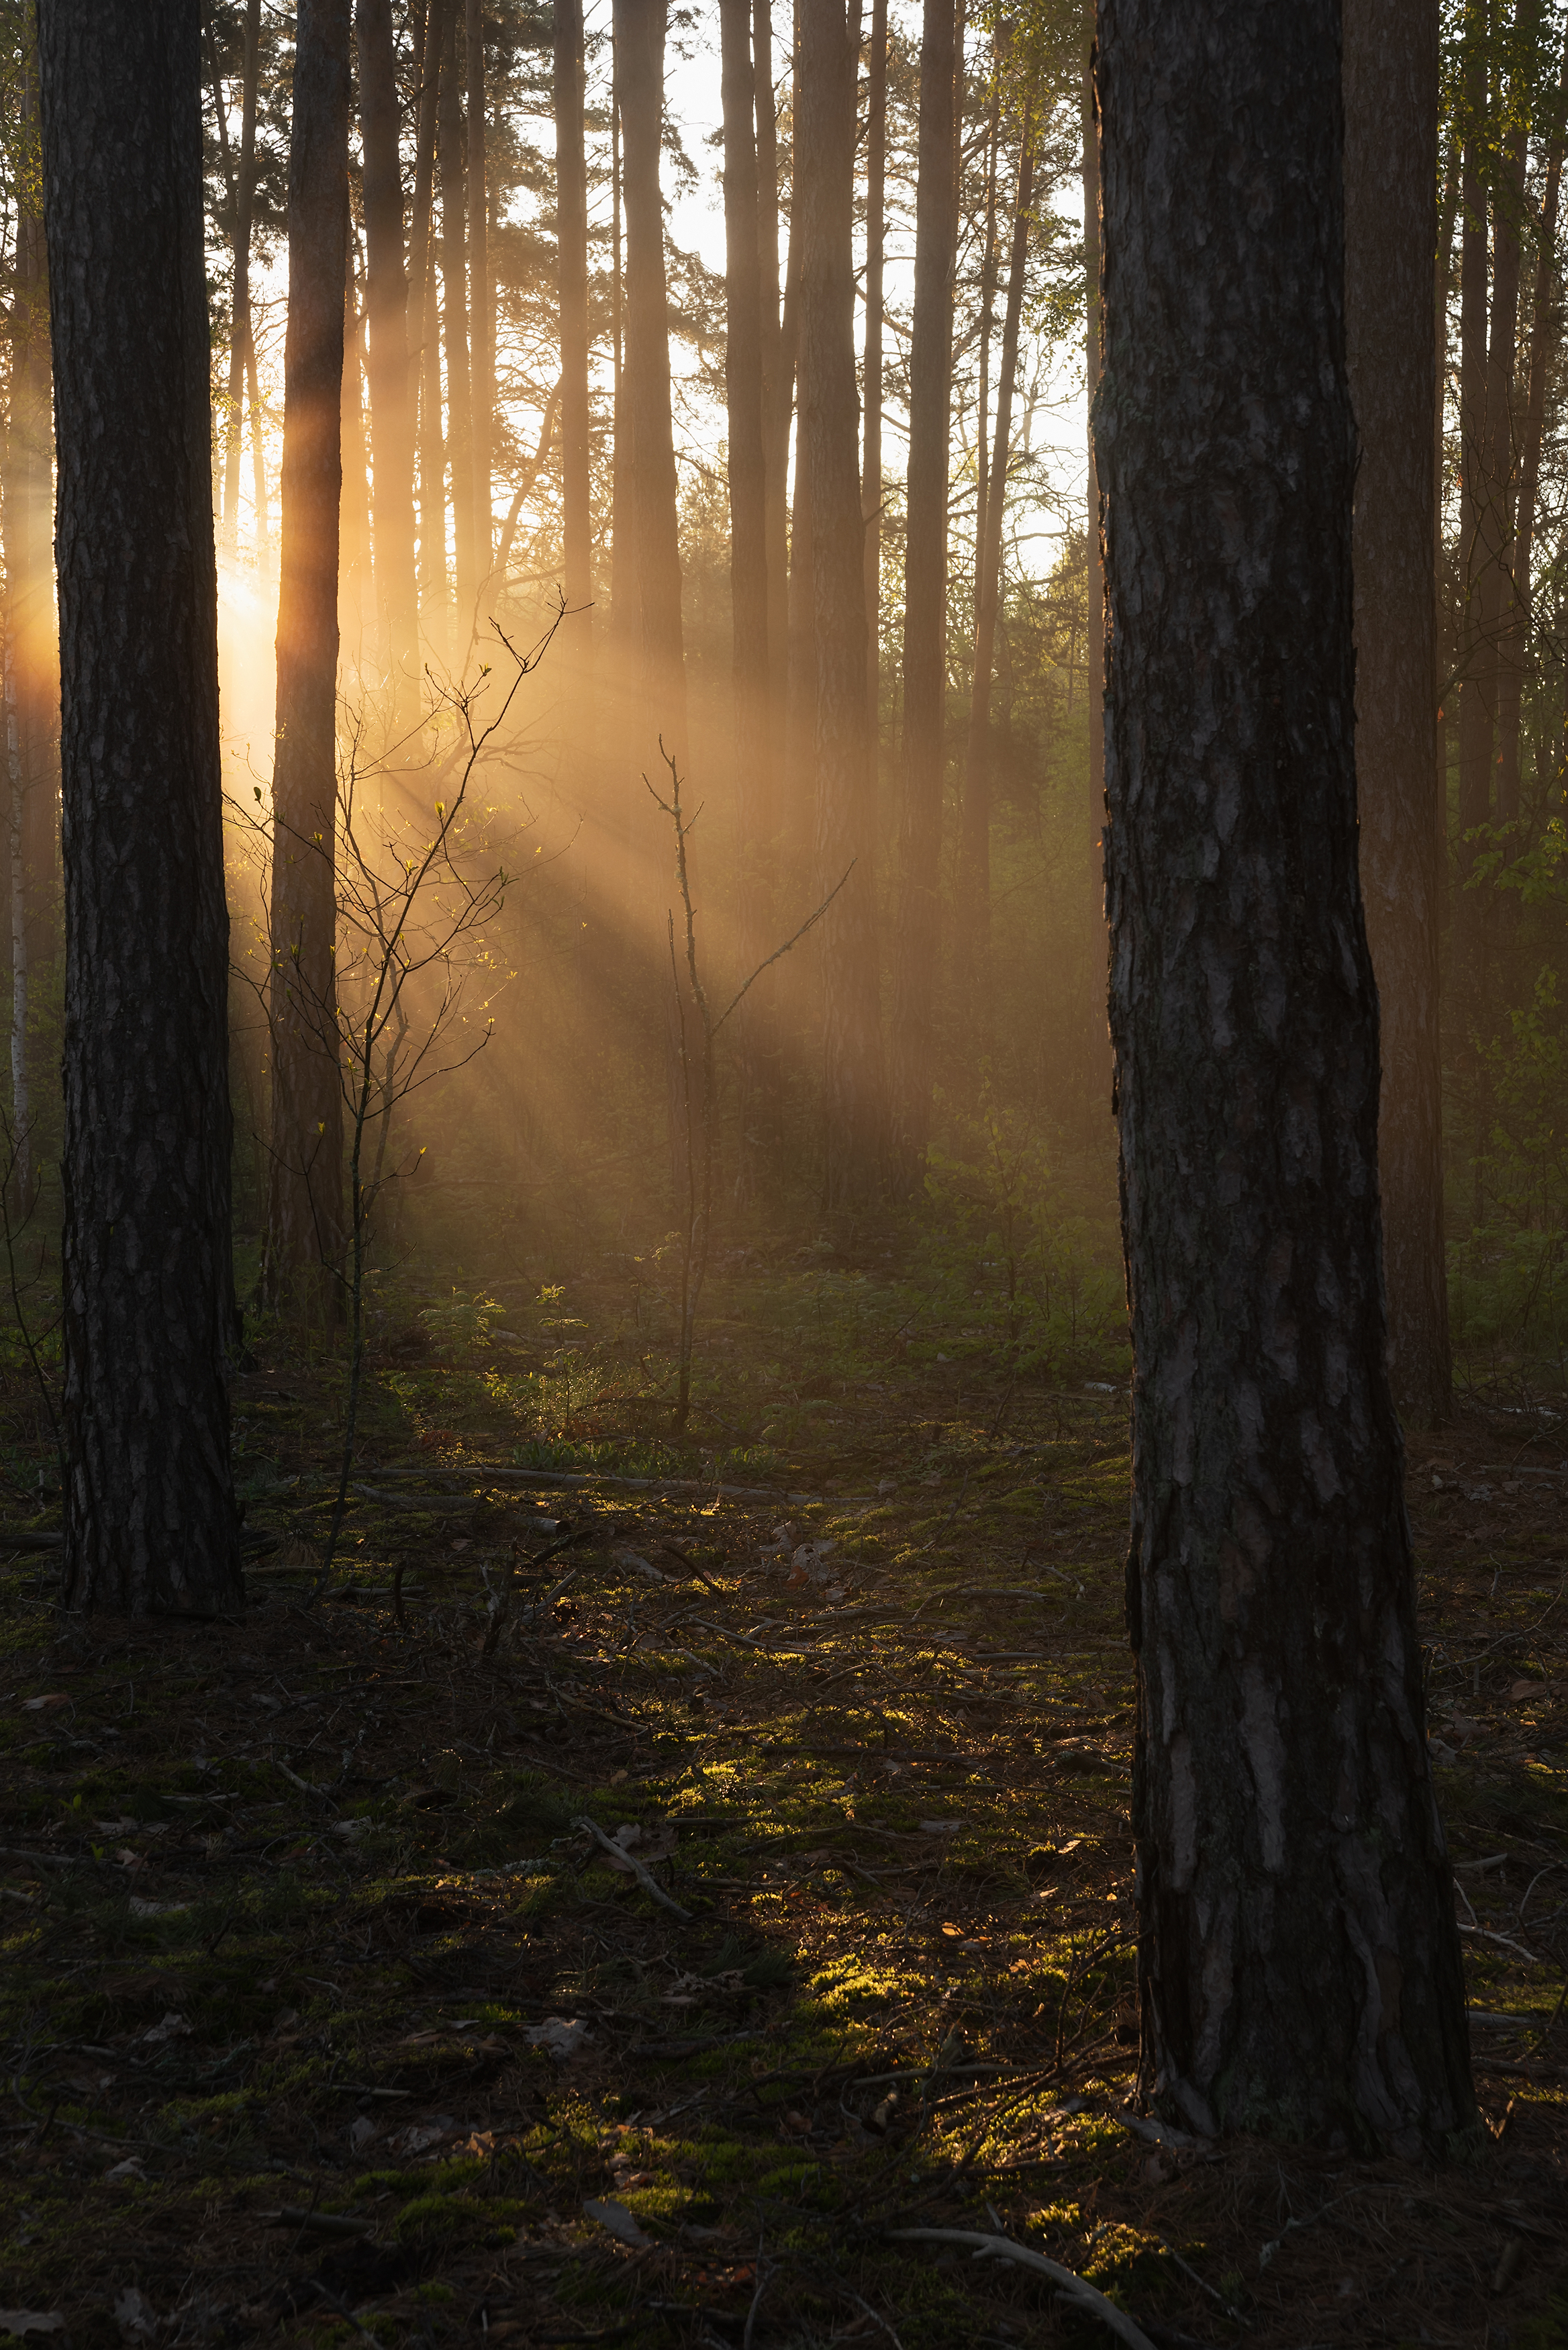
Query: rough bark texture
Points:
[572, 294]
[386, 308]
[304, 1191]
[1299, 1963]
[1390, 233]
[1096, 641]
[925, 603]
[1496, 605]
[151, 1524]
[1475, 711]
[853, 1104]
[778, 361]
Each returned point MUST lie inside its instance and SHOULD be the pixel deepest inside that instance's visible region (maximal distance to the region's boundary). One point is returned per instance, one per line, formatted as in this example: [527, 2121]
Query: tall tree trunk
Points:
[454, 338]
[853, 1101]
[386, 309]
[1390, 234]
[572, 296]
[305, 1191]
[151, 1525]
[871, 371]
[752, 735]
[922, 745]
[1096, 649]
[778, 365]
[640, 50]
[481, 294]
[797, 828]
[1545, 336]
[987, 322]
[32, 682]
[1497, 602]
[974, 847]
[356, 599]
[1475, 711]
[425, 357]
[240, 337]
[1299, 1966]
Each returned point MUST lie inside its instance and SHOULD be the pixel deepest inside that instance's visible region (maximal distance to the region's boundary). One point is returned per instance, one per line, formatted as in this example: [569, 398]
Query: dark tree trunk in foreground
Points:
[846, 805]
[304, 1201]
[1299, 1963]
[925, 602]
[386, 308]
[150, 1517]
[1390, 233]
[572, 296]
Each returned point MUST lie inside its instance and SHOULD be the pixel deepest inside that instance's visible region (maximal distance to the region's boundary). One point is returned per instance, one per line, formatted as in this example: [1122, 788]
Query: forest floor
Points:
[328, 2018]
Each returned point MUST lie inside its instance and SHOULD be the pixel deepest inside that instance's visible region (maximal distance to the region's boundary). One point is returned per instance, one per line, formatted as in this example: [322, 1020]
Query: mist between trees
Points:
[649, 642]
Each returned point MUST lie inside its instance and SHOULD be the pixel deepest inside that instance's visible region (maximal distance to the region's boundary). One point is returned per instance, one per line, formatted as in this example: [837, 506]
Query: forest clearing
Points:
[784, 1236]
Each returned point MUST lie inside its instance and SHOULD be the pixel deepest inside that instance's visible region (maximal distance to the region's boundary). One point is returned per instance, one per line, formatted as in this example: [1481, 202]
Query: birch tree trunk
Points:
[1390, 235]
[391, 418]
[151, 1525]
[1299, 1964]
[922, 759]
[305, 1191]
[852, 1098]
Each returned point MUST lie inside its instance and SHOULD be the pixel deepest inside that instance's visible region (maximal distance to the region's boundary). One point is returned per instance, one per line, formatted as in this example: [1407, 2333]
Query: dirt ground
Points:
[328, 2016]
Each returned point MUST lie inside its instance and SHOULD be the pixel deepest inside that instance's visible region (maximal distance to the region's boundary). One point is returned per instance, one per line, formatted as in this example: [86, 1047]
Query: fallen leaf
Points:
[421, 2134]
[30, 2321]
[940, 1827]
[361, 2130]
[45, 1704]
[617, 2221]
[173, 2027]
[1523, 1690]
[131, 2168]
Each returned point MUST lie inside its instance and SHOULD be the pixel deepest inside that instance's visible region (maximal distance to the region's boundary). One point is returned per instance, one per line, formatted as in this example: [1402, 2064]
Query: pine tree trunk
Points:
[1544, 339]
[305, 1191]
[424, 358]
[752, 735]
[1096, 649]
[481, 295]
[922, 748]
[239, 324]
[32, 655]
[1299, 1964]
[1390, 234]
[778, 367]
[151, 1525]
[639, 43]
[356, 593]
[853, 1103]
[1475, 709]
[974, 847]
[1497, 604]
[871, 369]
[450, 160]
[387, 308]
[572, 294]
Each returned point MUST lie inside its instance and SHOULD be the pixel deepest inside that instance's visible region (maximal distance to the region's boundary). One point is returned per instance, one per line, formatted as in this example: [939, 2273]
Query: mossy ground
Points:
[282, 1900]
